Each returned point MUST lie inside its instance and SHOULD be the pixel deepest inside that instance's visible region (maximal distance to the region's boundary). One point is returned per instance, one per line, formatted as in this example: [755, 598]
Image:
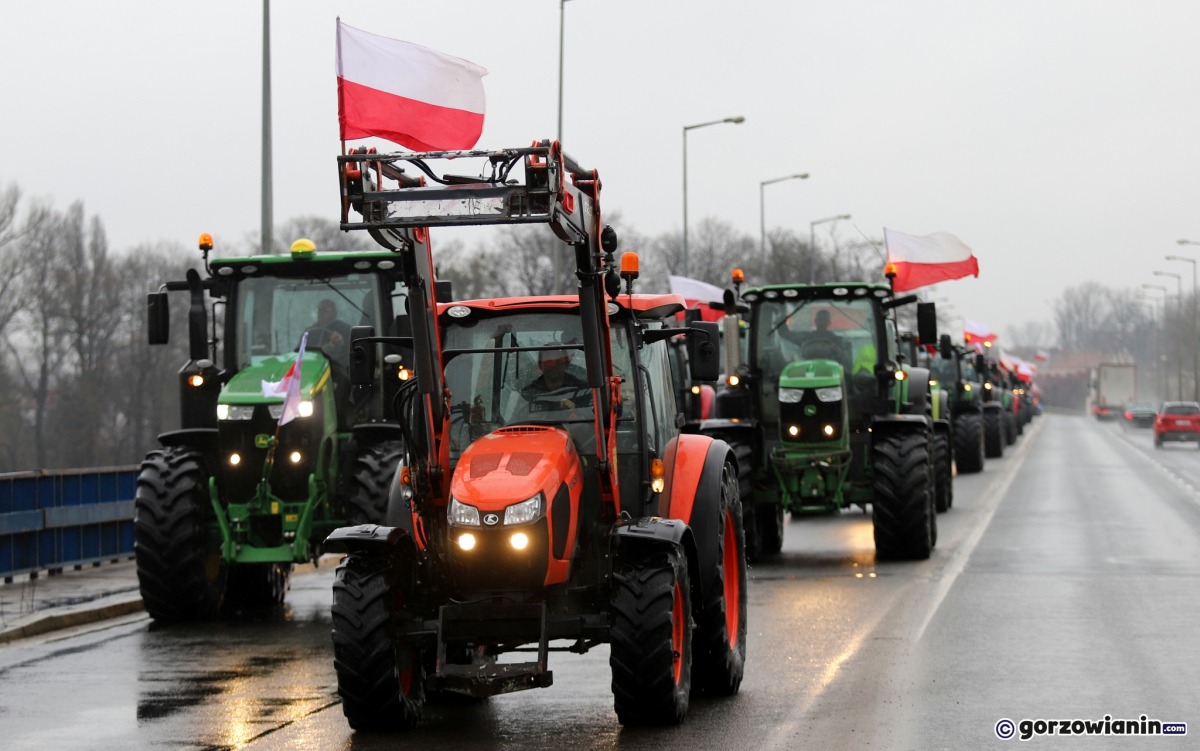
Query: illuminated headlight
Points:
[525, 511]
[793, 430]
[466, 541]
[933, 382]
[235, 459]
[987, 386]
[519, 541]
[733, 380]
[830, 394]
[966, 387]
[695, 389]
[304, 410]
[235, 411]
[828, 430]
[791, 396]
[462, 514]
[296, 457]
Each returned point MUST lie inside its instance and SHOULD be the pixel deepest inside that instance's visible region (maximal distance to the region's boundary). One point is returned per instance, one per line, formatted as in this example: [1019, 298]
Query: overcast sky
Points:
[1059, 139]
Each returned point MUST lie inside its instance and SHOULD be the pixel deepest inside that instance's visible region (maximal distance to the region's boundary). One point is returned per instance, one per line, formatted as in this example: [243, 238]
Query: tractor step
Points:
[492, 623]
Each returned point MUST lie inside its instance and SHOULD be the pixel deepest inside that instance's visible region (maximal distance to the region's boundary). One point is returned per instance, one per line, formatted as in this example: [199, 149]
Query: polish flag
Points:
[699, 295]
[976, 333]
[406, 93]
[920, 260]
[289, 386]
[1042, 355]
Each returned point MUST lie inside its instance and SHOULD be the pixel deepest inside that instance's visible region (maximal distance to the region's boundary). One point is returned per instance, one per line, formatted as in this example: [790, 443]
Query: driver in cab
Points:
[557, 387]
[330, 333]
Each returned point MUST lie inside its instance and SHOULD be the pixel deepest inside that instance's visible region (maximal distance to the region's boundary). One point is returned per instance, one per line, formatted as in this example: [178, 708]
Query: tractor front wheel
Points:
[721, 624]
[943, 484]
[651, 650]
[178, 552]
[968, 443]
[902, 506]
[381, 679]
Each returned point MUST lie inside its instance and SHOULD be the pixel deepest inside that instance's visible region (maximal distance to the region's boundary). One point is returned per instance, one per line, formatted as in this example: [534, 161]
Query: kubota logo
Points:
[491, 519]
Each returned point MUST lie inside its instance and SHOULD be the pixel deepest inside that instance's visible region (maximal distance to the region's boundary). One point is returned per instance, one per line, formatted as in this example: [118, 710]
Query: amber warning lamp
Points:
[737, 276]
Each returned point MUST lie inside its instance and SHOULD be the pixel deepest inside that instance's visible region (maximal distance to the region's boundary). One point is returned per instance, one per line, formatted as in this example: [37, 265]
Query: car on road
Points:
[1177, 421]
[1140, 415]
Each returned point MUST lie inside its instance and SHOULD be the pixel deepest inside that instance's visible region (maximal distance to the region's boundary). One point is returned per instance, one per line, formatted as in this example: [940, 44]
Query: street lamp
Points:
[812, 242]
[1178, 361]
[738, 120]
[562, 4]
[762, 212]
[1159, 371]
[1192, 337]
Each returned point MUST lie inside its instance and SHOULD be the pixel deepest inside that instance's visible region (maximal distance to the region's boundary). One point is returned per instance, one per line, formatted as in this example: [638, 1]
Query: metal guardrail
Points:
[51, 519]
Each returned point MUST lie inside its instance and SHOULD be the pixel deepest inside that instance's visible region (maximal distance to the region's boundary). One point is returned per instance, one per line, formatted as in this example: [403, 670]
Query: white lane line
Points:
[994, 494]
[1193, 494]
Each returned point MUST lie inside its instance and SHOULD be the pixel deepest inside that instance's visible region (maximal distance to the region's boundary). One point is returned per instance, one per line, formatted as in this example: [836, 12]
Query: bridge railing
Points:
[51, 519]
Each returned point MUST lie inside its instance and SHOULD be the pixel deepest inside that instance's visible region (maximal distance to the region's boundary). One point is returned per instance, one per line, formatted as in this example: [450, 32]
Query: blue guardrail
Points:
[51, 519]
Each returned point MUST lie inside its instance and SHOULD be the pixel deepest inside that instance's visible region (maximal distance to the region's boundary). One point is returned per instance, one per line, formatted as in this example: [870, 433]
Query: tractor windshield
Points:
[842, 330]
[274, 313]
[525, 367]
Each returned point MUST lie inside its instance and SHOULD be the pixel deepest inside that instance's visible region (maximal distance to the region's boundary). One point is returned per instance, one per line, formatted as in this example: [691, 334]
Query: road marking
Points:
[994, 493]
[1193, 494]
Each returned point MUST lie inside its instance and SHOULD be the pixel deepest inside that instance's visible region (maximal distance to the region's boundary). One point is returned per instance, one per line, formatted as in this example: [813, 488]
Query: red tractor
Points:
[546, 499]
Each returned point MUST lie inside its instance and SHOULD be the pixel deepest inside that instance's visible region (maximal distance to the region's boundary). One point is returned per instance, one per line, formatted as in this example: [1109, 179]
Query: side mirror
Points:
[362, 355]
[158, 318]
[946, 348]
[927, 322]
[444, 290]
[704, 351]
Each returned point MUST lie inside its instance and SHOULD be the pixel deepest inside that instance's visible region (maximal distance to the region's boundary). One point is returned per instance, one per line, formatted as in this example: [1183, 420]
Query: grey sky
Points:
[1059, 139]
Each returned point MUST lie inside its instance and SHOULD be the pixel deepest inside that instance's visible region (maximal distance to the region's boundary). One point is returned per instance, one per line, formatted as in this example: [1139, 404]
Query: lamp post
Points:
[1192, 333]
[1158, 369]
[1179, 312]
[812, 241]
[762, 212]
[1166, 294]
[738, 120]
[562, 5]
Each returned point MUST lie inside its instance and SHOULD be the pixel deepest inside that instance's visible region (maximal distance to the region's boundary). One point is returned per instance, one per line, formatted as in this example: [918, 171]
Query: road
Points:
[1062, 587]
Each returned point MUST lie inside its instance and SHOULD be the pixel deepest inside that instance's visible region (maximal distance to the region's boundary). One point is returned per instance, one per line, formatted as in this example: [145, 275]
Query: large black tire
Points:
[720, 637]
[381, 682]
[370, 478]
[968, 443]
[178, 553]
[993, 433]
[651, 651]
[902, 506]
[943, 483]
[1010, 428]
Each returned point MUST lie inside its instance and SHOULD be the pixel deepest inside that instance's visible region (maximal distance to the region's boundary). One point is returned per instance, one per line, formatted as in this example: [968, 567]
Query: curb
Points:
[81, 617]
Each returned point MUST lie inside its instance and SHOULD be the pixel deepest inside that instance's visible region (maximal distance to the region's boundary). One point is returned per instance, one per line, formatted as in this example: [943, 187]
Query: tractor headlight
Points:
[525, 511]
[791, 396]
[304, 410]
[235, 411]
[830, 394]
[462, 514]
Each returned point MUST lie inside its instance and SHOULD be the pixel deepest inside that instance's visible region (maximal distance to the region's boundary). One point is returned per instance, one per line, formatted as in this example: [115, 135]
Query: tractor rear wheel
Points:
[943, 484]
[720, 637]
[180, 572]
[968, 443]
[902, 506]
[371, 475]
[381, 680]
[651, 650]
[993, 433]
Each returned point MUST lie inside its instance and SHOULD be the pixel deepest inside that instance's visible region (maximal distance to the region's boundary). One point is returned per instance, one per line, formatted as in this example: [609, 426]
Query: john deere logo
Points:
[262, 441]
[491, 519]
[810, 410]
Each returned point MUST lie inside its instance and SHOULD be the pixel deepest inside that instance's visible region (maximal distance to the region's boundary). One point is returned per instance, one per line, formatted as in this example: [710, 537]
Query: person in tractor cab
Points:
[330, 333]
[820, 342]
[558, 387]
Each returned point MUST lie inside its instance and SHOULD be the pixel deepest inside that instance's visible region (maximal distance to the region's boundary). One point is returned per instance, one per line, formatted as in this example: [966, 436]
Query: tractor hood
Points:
[811, 374]
[511, 465]
[246, 387]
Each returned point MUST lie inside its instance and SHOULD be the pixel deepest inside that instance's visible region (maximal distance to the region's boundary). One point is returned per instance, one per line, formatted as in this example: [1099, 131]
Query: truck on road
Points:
[1115, 386]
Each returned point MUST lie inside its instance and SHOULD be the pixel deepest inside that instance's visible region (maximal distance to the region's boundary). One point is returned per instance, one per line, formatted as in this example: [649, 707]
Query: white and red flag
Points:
[288, 386]
[1042, 355]
[698, 294]
[976, 333]
[921, 260]
[409, 94]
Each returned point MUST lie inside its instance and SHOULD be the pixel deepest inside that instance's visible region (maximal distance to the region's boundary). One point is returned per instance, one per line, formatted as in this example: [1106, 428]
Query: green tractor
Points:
[242, 491]
[830, 415]
[957, 369]
[925, 356]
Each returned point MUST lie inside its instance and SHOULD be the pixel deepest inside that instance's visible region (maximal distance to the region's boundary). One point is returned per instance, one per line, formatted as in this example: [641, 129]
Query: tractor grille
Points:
[806, 421]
